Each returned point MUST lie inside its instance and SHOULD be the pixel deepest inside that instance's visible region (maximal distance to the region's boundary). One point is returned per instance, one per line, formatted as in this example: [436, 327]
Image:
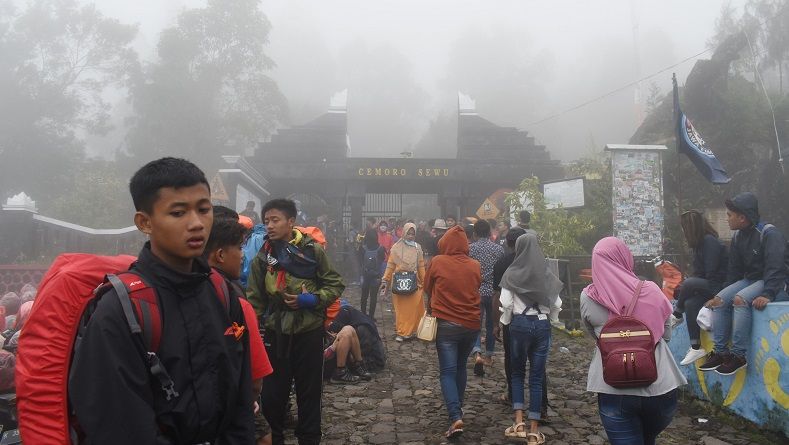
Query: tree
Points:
[209, 93]
[58, 58]
[560, 230]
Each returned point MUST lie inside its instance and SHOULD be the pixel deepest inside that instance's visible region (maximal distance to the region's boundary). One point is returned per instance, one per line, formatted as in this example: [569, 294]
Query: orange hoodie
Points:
[453, 280]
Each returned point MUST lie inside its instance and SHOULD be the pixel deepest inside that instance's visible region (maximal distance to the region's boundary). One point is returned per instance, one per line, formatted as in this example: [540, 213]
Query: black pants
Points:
[301, 360]
[505, 338]
[370, 285]
[693, 293]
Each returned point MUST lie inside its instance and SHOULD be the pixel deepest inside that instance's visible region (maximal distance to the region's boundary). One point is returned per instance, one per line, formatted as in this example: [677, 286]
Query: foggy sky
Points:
[563, 53]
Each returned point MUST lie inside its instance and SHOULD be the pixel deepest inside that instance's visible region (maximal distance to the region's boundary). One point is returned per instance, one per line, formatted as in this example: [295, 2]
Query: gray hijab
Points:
[528, 276]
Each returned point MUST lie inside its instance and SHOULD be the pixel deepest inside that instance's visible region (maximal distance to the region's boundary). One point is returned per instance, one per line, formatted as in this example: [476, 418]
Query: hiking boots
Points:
[361, 371]
[731, 365]
[714, 360]
[344, 375]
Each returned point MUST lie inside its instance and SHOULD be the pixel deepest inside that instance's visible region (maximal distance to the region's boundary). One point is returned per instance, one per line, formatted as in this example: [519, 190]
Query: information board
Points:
[568, 193]
[638, 200]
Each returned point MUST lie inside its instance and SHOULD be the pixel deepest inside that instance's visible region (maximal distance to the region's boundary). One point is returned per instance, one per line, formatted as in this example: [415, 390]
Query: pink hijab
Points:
[614, 283]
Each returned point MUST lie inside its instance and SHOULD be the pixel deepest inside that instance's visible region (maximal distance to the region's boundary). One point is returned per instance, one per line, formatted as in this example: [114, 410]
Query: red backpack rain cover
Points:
[45, 348]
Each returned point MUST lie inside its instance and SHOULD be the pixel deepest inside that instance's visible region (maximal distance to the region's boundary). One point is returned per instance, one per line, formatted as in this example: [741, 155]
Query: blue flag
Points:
[690, 142]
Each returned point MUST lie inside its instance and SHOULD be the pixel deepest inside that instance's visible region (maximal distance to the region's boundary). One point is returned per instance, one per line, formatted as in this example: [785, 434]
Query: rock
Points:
[709, 440]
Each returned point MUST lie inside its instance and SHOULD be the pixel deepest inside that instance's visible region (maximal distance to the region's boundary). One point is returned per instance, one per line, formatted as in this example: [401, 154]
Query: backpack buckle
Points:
[162, 376]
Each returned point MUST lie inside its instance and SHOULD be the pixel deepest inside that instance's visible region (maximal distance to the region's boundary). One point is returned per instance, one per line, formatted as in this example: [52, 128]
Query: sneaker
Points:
[399, 338]
[731, 365]
[713, 361]
[693, 355]
[343, 375]
[360, 370]
[675, 321]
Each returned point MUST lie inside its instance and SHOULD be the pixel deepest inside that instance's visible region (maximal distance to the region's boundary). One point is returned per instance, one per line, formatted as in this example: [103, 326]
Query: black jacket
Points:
[754, 255]
[111, 389]
[710, 261]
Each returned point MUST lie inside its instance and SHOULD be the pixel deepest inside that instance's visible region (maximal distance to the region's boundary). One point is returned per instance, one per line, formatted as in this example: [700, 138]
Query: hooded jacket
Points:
[266, 294]
[111, 383]
[754, 255]
[453, 280]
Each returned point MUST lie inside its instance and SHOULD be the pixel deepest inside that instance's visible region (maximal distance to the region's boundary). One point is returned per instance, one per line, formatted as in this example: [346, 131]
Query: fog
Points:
[524, 62]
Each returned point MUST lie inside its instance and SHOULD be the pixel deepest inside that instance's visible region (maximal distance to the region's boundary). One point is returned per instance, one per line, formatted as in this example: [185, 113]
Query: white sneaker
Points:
[675, 321]
[399, 338]
[693, 355]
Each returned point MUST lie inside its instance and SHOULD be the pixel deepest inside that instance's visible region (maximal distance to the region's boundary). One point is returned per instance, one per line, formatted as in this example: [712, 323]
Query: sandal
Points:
[517, 430]
[455, 430]
[535, 438]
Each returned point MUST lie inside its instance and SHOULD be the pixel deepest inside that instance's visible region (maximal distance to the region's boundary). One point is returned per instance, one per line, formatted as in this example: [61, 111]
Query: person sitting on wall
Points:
[756, 276]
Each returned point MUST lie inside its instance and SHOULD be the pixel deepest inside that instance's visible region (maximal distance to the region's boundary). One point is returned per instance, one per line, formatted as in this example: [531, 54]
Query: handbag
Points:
[627, 348]
[404, 283]
[427, 328]
[704, 319]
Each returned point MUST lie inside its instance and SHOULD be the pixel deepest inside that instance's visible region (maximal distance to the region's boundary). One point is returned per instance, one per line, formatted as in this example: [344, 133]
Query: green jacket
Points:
[266, 299]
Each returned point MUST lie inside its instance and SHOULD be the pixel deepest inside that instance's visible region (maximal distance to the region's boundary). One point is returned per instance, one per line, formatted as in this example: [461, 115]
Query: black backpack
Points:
[370, 264]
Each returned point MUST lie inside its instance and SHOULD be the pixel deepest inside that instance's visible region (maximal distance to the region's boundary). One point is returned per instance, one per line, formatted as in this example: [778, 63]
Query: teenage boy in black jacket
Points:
[756, 276]
[112, 392]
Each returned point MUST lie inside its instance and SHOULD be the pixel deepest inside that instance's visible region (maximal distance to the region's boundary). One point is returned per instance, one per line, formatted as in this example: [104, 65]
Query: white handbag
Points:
[704, 319]
[427, 328]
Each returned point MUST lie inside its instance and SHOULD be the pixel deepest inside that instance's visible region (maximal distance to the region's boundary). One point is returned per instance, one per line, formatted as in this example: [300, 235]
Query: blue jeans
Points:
[454, 345]
[486, 310]
[732, 322]
[636, 420]
[530, 340]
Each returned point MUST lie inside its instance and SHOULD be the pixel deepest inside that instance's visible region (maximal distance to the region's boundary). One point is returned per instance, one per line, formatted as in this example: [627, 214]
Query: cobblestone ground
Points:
[403, 403]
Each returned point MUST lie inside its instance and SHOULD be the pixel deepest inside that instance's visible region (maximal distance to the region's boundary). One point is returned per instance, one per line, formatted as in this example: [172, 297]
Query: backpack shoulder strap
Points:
[764, 230]
[633, 301]
[220, 288]
[137, 297]
[139, 302]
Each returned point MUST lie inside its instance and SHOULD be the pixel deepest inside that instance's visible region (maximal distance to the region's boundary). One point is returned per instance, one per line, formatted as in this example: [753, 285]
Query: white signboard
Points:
[568, 193]
[242, 196]
[638, 200]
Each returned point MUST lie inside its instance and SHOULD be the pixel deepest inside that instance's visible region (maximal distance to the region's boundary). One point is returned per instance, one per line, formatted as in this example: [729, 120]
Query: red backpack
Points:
[627, 348]
[66, 299]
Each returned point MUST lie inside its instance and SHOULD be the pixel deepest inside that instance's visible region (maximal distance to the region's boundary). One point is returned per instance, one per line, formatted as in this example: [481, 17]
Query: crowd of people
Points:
[285, 327]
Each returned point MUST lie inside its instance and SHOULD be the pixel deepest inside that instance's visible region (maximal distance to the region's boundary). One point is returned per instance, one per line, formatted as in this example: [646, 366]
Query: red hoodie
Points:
[453, 280]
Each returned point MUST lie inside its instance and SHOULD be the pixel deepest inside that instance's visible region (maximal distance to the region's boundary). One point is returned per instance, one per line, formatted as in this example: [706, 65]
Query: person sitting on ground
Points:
[631, 415]
[369, 339]
[528, 291]
[756, 275]
[372, 257]
[487, 253]
[406, 256]
[345, 349]
[709, 273]
[224, 253]
[452, 288]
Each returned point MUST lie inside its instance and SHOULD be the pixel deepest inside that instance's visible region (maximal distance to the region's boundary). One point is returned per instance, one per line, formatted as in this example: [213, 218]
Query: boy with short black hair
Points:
[756, 276]
[291, 283]
[224, 253]
[110, 382]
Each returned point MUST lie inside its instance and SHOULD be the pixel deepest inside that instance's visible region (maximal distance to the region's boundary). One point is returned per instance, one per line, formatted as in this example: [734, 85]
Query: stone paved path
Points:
[403, 403]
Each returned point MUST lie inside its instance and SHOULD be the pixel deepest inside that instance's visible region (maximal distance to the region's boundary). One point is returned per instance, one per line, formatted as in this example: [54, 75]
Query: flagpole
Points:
[678, 182]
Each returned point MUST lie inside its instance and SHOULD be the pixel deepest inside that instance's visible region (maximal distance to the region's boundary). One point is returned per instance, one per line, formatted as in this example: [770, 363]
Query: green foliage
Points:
[100, 200]
[57, 59]
[598, 209]
[559, 230]
[209, 93]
